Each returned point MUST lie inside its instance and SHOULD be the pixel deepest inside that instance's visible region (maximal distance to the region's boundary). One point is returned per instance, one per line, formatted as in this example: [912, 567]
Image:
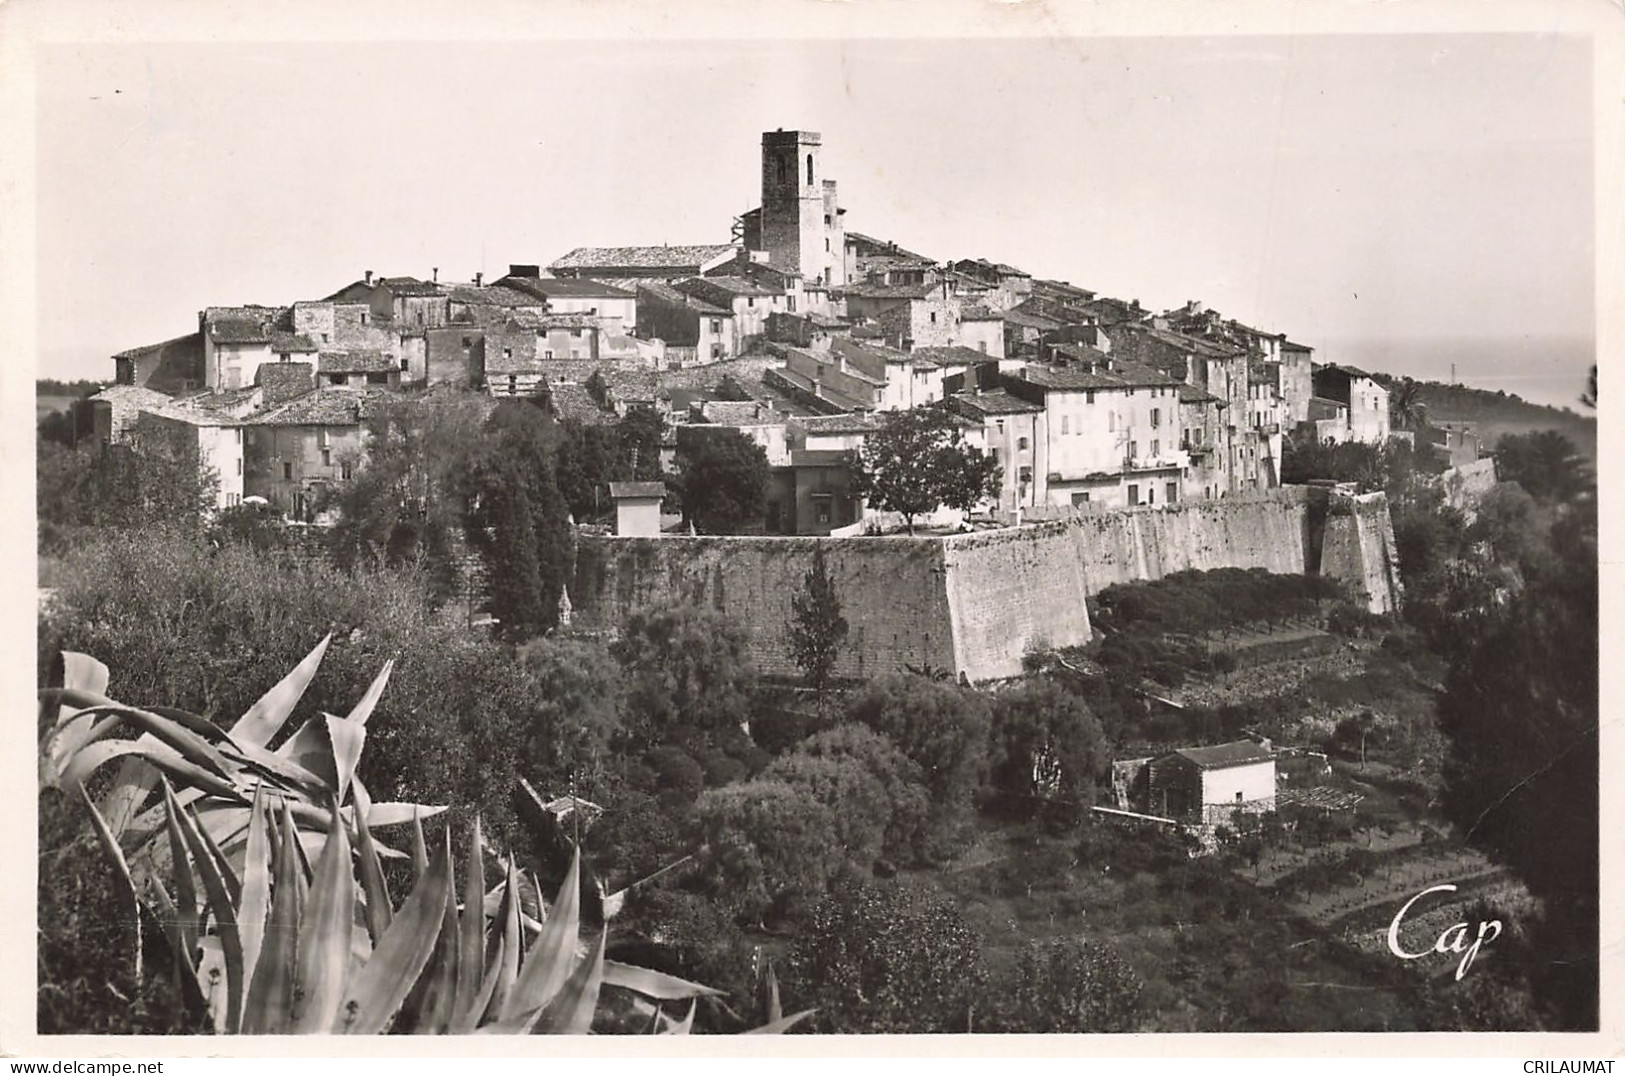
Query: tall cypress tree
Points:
[817, 628]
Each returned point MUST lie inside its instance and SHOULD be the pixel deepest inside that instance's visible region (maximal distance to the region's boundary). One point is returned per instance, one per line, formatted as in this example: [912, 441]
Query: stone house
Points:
[1110, 433]
[575, 295]
[749, 302]
[981, 328]
[296, 451]
[173, 366]
[358, 368]
[1201, 426]
[687, 324]
[236, 339]
[212, 441]
[1359, 392]
[1006, 427]
[115, 409]
[1007, 286]
[828, 381]
[1211, 785]
[909, 315]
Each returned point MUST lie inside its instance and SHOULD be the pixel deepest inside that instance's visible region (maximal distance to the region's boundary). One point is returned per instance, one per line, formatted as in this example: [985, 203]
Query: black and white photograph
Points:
[1026, 525]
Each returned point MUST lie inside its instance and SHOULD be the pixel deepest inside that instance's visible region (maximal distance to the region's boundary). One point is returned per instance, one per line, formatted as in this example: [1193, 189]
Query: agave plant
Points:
[278, 929]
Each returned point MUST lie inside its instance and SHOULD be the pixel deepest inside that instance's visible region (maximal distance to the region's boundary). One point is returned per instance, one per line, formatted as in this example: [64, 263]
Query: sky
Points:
[1336, 188]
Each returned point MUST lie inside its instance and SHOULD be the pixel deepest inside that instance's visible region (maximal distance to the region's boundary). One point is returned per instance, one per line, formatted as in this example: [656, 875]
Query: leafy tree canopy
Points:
[920, 460]
[723, 477]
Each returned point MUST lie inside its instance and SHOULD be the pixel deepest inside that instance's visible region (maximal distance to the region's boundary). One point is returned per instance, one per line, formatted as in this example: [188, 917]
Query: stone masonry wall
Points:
[1358, 548]
[1010, 591]
[892, 592]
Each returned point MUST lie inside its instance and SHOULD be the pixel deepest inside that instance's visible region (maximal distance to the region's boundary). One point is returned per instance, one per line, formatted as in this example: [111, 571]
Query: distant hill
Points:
[1498, 413]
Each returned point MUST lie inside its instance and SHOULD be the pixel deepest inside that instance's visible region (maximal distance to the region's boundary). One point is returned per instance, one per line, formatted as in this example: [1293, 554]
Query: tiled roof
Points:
[1240, 753]
[239, 325]
[979, 312]
[736, 413]
[997, 402]
[1212, 349]
[662, 257]
[881, 246]
[637, 489]
[852, 422]
[1288, 345]
[1030, 319]
[1122, 375]
[669, 294]
[1192, 394]
[228, 399]
[331, 405]
[892, 291]
[147, 349]
[491, 295]
[291, 342]
[1351, 371]
[411, 287]
[734, 285]
[355, 362]
[565, 288]
[575, 403]
[133, 394]
[957, 355]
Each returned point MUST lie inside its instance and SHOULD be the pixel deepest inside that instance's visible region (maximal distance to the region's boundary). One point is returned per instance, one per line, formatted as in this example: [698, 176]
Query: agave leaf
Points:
[269, 1005]
[571, 1010]
[166, 758]
[774, 1011]
[471, 935]
[310, 748]
[188, 917]
[255, 901]
[384, 815]
[373, 887]
[121, 870]
[186, 743]
[654, 984]
[402, 954]
[480, 1004]
[780, 1026]
[420, 850]
[508, 953]
[267, 716]
[687, 1024]
[347, 739]
[321, 967]
[547, 965]
[191, 989]
[225, 913]
[375, 691]
[234, 883]
[431, 1002]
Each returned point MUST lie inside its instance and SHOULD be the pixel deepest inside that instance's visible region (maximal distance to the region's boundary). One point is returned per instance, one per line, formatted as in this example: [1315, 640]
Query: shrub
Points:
[1068, 986]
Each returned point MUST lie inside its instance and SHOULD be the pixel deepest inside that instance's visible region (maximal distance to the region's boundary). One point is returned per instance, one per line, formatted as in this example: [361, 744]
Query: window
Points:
[783, 169]
[1080, 498]
[507, 352]
[324, 338]
[1064, 421]
[1133, 495]
[790, 303]
[982, 346]
[826, 246]
[1172, 491]
[716, 325]
[1151, 495]
[1156, 447]
[327, 457]
[1021, 443]
[239, 466]
[1111, 421]
[809, 169]
[1133, 449]
[1000, 424]
[344, 470]
[750, 302]
[287, 472]
[548, 354]
[1156, 417]
[513, 383]
[239, 432]
[1089, 397]
[933, 317]
[363, 319]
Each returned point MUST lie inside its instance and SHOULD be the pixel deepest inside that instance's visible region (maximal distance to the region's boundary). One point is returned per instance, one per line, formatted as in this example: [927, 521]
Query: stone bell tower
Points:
[800, 223]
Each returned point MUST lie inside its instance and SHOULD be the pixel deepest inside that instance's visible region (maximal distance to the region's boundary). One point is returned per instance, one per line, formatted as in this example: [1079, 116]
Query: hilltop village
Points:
[797, 331]
[858, 616]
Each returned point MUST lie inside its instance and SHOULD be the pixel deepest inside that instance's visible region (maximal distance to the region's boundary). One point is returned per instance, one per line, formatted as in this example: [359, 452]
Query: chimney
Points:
[477, 278]
[368, 278]
[436, 272]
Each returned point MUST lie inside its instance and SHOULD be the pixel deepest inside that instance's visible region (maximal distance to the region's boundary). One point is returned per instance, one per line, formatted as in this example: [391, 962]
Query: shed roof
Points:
[637, 490]
[1239, 753]
[997, 402]
[661, 257]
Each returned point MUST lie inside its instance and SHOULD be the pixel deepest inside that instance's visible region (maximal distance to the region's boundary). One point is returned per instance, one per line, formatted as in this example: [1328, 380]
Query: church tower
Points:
[800, 227]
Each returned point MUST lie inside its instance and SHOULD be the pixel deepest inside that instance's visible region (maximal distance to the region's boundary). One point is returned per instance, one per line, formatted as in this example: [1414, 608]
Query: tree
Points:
[641, 432]
[1068, 986]
[1406, 411]
[1545, 463]
[517, 521]
[941, 727]
[141, 481]
[406, 504]
[918, 460]
[908, 804]
[1047, 745]
[817, 629]
[722, 475]
[72, 425]
[1510, 522]
[1521, 711]
[685, 666]
[765, 842]
[884, 959]
[857, 801]
[575, 715]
